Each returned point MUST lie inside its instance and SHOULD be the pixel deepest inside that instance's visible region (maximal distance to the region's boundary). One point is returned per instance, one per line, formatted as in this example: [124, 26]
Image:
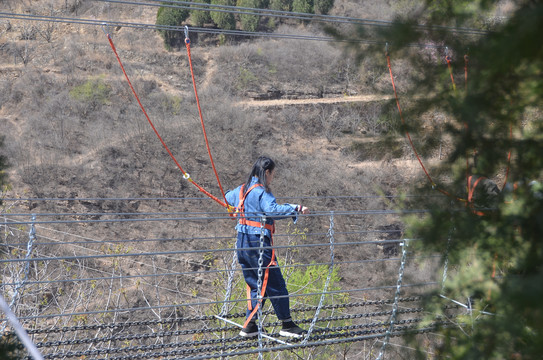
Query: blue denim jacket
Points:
[257, 203]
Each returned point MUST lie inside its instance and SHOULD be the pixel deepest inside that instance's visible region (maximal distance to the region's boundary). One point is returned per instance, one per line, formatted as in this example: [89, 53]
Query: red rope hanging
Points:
[186, 176]
[409, 136]
[187, 43]
[466, 61]
[448, 59]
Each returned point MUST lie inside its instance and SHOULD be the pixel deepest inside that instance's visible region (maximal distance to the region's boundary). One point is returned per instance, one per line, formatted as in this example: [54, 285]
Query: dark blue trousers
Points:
[248, 254]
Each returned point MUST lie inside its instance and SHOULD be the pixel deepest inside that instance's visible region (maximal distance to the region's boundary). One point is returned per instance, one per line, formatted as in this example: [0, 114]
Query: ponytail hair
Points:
[260, 166]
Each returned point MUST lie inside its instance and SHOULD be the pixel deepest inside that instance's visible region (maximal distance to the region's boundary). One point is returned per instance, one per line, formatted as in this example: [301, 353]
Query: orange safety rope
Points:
[471, 192]
[186, 176]
[465, 124]
[407, 132]
[466, 60]
[493, 275]
[187, 43]
[467, 160]
[472, 188]
[448, 59]
[262, 291]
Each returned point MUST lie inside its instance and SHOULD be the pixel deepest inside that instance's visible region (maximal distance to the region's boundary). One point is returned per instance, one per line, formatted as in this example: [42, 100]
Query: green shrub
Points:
[171, 105]
[168, 16]
[224, 20]
[300, 281]
[303, 6]
[200, 17]
[11, 347]
[246, 78]
[249, 22]
[284, 5]
[92, 91]
[323, 6]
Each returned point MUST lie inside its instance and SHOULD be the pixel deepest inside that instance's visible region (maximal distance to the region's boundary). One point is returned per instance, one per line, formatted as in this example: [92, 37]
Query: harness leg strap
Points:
[262, 291]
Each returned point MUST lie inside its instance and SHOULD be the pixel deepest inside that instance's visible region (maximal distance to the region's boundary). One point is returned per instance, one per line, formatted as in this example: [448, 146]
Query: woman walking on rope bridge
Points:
[252, 201]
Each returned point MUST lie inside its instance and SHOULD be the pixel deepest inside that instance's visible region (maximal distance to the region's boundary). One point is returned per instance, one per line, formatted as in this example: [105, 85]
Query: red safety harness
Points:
[240, 213]
[240, 210]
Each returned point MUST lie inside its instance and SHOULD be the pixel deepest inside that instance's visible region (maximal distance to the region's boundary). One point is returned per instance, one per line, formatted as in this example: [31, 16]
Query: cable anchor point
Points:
[105, 29]
[187, 40]
[447, 54]
[386, 49]
[186, 176]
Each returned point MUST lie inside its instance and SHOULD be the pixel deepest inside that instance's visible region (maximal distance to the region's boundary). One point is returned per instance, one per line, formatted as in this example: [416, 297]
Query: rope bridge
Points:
[81, 284]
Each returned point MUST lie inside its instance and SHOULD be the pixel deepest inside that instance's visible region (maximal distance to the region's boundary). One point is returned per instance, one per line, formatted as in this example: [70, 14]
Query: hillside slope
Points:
[53, 120]
[74, 130]
[76, 135]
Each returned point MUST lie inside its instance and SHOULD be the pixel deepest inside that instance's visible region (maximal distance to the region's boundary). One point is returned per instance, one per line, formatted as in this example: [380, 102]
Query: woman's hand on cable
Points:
[302, 209]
